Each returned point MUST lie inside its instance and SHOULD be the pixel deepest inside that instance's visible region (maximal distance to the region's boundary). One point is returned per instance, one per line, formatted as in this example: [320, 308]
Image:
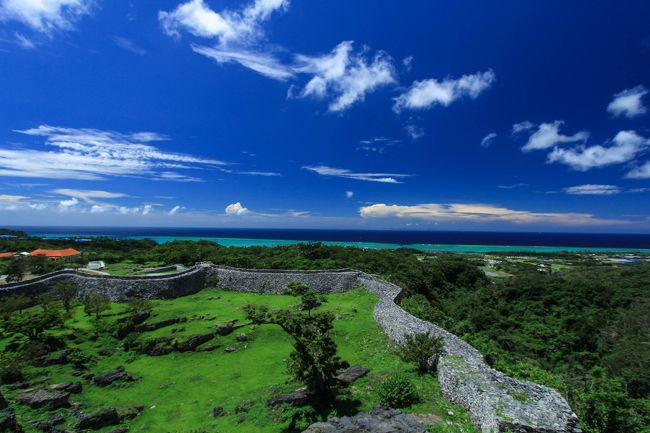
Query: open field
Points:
[179, 390]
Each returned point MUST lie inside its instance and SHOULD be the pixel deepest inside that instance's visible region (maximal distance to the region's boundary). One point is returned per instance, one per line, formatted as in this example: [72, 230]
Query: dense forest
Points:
[584, 331]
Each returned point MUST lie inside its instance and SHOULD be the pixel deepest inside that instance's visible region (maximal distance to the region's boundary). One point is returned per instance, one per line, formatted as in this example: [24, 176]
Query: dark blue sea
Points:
[455, 241]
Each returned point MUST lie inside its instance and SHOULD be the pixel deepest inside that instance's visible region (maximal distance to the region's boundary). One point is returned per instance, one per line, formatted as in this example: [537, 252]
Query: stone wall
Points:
[496, 402]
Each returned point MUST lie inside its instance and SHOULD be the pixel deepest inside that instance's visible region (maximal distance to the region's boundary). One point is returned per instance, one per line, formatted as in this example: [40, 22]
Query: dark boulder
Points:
[53, 359]
[8, 423]
[379, 420]
[217, 411]
[297, 398]
[71, 387]
[117, 375]
[131, 412]
[193, 342]
[241, 338]
[226, 328]
[49, 424]
[42, 398]
[102, 418]
[135, 319]
[352, 373]
[147, 327]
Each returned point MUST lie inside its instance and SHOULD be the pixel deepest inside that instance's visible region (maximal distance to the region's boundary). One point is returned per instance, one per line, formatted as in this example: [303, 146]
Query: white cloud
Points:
[625, 146]
[88, 196]
[324, 170]
[592, 189]
[415, 132]
[9, 198]
[129, 45]
[228, 27]
[96, 208]
[176, 209]
[479, 213]
[427, 93]
[147, 209]
[262, 63]
[45, 15]
[345, 75]
[92, 154]
[548, 135]
[628, 102]
[24, 42]
[236, 209]
[349, 194]
[65, 205]
[488, 139]
[520, 127]
[640, 172]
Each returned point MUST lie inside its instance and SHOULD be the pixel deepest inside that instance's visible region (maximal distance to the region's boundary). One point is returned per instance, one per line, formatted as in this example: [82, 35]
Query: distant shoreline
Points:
[460, 242]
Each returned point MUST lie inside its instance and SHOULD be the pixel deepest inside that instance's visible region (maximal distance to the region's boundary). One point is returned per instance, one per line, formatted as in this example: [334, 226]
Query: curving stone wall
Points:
[496, 402]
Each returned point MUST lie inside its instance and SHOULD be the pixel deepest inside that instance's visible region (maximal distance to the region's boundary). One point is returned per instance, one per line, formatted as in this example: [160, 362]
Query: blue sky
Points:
[462, 115]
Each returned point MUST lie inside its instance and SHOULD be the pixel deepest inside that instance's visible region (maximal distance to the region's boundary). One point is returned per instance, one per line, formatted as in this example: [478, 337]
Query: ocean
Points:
[430, 241]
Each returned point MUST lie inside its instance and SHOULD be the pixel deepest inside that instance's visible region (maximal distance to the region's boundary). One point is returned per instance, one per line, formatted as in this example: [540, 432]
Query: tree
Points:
[15, 269]
[138, 306]
[421, 349]
[308, 298]
[11, 304]
[66, 292]
[96, 304]
[314, 360]
[34, 322]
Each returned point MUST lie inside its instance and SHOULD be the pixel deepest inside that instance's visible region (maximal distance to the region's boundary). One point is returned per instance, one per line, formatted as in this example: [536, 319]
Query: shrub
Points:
[397, 392]
[422, 349]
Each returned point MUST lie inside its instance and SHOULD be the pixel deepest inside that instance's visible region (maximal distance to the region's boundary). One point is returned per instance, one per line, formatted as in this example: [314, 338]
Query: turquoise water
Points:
[243, 242]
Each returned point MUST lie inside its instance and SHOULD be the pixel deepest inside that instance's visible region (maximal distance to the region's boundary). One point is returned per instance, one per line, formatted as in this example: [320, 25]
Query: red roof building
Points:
[55, 254]
[6, 255]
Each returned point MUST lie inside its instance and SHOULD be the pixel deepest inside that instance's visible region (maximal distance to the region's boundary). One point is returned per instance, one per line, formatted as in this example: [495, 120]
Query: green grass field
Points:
[180, 390]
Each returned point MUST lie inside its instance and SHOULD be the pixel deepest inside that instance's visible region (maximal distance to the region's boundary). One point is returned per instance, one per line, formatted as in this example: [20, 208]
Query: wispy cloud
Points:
[88, 196]
[376, 144]
[263, 63]
[624, 147]
[628, 103]
[592, 189]
[324, 170]
[548, 135]
[92, 154]
[427, 93]
[175, 210]
[520, 127]
[349, 194]
[513, 186]
[129, 45]
[415, 132]
[45, 16]
[24, 41]
[488, 139]
[640, 172]
[480, 213]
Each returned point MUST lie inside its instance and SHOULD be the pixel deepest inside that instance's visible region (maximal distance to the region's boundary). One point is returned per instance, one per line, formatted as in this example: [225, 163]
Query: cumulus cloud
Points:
[624, 147]
[479, 213]
[592, 189]
[45, 16]
[96, 208]
[65, 205]
[324, 170]
[236, 209]
[640, 172]
[548, 135]
[427, 93]
[488, 139]
[227, 26]
[92, 154]
[628, 102]
[345, 75]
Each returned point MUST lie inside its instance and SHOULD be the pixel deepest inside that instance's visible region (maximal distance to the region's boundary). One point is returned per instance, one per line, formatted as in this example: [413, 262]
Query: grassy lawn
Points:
[180, 390]
[128, 267]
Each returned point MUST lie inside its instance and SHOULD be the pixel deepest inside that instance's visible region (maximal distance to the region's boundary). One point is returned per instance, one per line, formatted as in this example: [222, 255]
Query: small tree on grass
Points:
[96, 304]
[66, 292]
[397, 392]
[421, 349]
[138, 306]
[11, 304]
[308, 298]
[34, 322]
[314, 360]
[15, 269]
